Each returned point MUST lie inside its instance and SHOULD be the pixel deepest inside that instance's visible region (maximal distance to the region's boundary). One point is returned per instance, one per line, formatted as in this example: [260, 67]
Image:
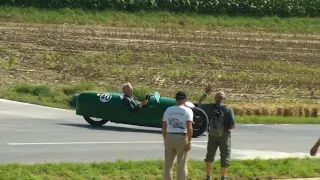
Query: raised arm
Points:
[208, 90]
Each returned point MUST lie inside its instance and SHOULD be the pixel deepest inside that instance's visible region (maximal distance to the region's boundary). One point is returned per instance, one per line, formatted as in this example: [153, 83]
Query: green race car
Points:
[98, 108]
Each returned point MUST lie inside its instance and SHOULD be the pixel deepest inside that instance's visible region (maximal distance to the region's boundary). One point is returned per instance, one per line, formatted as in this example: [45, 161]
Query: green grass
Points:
[60, 97]
[283, 8]
[277, 120]
[252, 67]
[152, 169]
[266, 75]
[286, 81]
[158, 20]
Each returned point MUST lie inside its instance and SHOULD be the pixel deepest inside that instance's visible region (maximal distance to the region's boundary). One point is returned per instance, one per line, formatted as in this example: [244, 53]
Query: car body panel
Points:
[109, 106]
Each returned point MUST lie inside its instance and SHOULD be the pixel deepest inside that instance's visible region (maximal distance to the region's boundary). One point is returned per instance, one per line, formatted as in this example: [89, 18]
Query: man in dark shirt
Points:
[214, 140]
[129, 101]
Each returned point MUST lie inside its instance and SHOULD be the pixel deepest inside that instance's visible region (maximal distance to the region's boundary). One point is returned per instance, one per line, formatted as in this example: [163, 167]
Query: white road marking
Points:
[195, 145]
[32, 105]
[235, 153]
[69, 143]
[255, 125]
[252, 154]
[13, 108]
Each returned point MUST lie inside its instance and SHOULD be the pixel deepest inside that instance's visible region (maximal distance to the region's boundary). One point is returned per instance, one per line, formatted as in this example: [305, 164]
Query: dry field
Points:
[264, 69]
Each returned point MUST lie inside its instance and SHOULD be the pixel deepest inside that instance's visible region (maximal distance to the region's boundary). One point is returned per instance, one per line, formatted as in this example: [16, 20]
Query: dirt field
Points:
[256, 67]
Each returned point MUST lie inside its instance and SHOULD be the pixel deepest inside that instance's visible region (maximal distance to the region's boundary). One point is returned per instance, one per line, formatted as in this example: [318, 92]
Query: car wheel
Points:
[200, 122]
[95, 121]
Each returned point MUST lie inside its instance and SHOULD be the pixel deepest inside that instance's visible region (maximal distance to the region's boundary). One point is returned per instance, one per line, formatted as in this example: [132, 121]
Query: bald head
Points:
[220, 96]
[127, 89]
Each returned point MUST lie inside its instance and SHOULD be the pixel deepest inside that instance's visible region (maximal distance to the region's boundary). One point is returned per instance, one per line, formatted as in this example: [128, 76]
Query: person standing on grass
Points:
[314, 149]
[177, 134]
[221, 121]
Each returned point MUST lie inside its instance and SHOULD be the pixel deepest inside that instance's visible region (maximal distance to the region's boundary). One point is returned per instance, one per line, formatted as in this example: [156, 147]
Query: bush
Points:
[73, 89]
[140, 92]
[282, 8]
[34, 90]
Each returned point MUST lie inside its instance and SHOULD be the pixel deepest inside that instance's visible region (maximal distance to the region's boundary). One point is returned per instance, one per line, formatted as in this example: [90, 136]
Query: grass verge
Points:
[60, 97]
[276, 120]
[158, 20]
[239, 170]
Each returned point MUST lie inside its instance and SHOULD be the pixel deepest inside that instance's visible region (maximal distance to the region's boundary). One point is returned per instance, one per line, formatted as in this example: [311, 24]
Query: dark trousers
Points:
[224, 144]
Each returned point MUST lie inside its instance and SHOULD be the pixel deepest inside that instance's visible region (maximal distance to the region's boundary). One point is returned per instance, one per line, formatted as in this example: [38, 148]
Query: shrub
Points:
[282, 8]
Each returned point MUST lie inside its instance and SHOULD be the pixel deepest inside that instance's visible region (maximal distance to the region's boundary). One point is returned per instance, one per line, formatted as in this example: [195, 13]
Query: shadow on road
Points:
[113, 128]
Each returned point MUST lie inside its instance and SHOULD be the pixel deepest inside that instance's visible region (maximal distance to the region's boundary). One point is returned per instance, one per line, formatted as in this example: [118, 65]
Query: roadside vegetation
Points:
[268, 66]
[60, 97]
[160, 20]
[281, 8]
[239, 170]
[266, 60]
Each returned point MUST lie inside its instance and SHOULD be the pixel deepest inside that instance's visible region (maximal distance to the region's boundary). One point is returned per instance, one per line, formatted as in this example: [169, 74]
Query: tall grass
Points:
[283, 8]
[58, 96]
[62, 97]
[158, 20]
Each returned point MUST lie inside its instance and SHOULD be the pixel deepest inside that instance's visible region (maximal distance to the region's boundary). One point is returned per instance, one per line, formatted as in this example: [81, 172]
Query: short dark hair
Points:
[181, 95]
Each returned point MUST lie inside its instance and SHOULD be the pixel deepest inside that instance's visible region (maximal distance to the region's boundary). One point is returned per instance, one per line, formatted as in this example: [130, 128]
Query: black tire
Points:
[95, 123]
[200, 122]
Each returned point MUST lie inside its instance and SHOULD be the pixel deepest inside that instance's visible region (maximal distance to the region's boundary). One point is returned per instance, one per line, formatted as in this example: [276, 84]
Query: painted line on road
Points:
[252, 154]
[33, 105]
[235, 153]
[196, 145]
[70, 143]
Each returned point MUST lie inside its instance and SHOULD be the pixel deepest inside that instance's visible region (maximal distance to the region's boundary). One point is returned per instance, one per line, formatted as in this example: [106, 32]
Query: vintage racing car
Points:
[98, 108]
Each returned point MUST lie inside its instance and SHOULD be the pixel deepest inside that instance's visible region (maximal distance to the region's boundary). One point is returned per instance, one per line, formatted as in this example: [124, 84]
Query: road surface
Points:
[36, 134]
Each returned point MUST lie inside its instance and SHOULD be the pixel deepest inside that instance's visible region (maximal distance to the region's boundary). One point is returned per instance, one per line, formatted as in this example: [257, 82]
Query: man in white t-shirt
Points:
[177, 133]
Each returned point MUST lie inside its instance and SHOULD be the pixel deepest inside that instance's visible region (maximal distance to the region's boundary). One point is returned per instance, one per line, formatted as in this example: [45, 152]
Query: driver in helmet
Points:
[129, 101]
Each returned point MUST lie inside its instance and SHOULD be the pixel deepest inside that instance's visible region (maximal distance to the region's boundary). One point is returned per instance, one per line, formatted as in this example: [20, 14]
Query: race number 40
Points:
[105, 97]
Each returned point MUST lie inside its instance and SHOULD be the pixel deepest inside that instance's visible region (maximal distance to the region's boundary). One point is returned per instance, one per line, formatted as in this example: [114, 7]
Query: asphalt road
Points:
[37, 134]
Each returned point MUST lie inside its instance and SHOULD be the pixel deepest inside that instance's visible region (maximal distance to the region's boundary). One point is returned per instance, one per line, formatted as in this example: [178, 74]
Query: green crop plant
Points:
[231, 7]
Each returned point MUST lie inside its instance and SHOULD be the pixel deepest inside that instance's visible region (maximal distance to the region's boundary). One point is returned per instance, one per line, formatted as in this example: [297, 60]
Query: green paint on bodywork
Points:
[89, 104]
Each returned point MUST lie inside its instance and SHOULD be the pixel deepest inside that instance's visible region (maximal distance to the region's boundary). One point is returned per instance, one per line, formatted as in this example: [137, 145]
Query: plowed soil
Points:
[260, 66]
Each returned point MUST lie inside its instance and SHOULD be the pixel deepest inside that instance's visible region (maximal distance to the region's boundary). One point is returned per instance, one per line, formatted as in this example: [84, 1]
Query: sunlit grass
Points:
[157, 19]
[125, 170]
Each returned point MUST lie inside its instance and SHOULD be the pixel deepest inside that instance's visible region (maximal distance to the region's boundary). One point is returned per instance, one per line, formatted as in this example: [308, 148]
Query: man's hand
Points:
[208, 89]
[314, 149]
[188, 147]
[144, 102]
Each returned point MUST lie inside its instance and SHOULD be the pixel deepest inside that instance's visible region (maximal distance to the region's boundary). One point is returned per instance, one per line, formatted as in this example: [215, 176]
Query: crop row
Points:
[231, 7]
[285, 111]
[244, 77]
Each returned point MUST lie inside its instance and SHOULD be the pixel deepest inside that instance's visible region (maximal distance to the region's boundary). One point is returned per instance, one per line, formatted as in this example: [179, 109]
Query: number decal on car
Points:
[105, 97]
